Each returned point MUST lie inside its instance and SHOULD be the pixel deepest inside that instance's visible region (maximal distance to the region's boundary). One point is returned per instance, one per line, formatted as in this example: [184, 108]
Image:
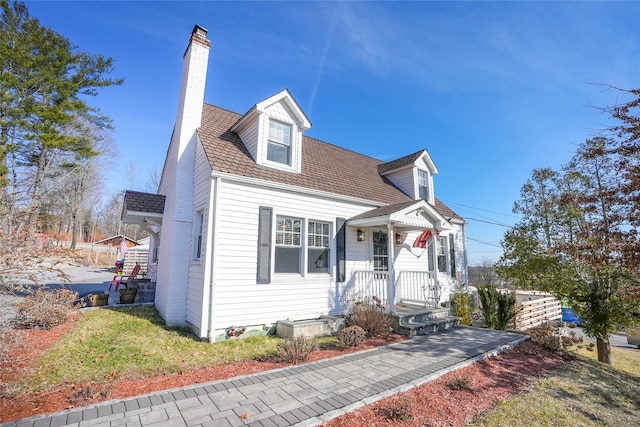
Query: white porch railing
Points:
[417, 286]
[369, 284]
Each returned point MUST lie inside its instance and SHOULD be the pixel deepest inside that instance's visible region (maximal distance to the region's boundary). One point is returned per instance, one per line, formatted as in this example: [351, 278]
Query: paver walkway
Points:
[303, 395]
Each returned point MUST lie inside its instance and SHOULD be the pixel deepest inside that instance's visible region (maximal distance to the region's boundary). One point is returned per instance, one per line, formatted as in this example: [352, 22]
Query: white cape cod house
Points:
[255, 222]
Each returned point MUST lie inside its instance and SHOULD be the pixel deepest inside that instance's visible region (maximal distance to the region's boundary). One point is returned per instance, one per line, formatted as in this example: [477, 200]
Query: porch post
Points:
[436, 291]
[391, 284]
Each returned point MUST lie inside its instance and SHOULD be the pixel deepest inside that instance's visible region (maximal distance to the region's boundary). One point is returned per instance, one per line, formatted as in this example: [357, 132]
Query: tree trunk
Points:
[74, 231]
[604, 350]
[41, 166]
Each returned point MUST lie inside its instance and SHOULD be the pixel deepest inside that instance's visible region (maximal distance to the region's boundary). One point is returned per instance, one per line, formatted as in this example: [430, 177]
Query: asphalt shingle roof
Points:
[325, 167]
[143, 202]
[401, 162]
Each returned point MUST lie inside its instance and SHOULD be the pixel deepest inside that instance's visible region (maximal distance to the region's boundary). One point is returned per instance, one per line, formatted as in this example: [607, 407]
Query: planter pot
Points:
[146, 291]
[128, 296]
[97, 300]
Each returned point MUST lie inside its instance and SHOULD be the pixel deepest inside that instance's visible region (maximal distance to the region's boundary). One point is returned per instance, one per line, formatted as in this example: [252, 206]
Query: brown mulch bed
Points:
[433, 404]
[457, 397]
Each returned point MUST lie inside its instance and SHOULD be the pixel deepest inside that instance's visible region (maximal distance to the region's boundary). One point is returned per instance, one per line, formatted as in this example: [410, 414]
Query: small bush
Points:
[371, 316]
[89, 391]
[462, 305]
[400, 408]
[45, 308]
[297, 349]
[460, 382]
[553, 336]
[498, 308]
[352, 336]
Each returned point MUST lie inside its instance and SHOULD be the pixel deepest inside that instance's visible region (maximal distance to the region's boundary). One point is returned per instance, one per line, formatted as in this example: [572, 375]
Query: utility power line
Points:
[480, 209]
[484, 242]
[489, 222]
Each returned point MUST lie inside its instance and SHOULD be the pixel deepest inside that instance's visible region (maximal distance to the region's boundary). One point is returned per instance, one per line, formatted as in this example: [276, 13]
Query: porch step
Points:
[412, 320]
[411, 329]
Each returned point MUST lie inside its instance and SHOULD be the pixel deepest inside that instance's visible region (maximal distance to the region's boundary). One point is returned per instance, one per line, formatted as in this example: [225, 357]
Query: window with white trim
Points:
[380, 251]
[442, 254]
[318, 238]
[197, 241]
[279, 143]
[288, 246]
[423, 185]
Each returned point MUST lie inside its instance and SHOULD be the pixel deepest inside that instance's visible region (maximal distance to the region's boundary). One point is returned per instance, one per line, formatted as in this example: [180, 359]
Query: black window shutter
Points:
[452, 252]
[341, 252]
[264, 245]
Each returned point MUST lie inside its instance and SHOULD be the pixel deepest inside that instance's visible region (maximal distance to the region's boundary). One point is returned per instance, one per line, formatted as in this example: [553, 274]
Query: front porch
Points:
[416, 309]
[413, 287]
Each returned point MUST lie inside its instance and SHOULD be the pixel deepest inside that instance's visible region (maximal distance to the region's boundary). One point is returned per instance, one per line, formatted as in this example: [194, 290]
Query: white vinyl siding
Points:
[240, 300]
[197, 294]
[404, 180]
[250, 138]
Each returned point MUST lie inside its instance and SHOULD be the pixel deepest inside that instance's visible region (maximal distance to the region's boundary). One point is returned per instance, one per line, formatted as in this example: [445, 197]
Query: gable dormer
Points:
[272, 132]
[413, 174]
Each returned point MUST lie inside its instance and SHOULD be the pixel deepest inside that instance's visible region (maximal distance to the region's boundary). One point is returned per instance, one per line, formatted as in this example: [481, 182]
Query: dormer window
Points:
[279, 144]
[423, 185]
[272, 132]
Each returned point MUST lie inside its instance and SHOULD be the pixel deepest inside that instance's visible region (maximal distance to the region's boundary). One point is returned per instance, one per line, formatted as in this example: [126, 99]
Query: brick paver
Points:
[305, 395]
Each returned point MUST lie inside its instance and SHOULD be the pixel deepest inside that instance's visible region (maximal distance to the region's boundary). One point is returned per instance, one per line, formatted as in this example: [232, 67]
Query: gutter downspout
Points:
[214, 196]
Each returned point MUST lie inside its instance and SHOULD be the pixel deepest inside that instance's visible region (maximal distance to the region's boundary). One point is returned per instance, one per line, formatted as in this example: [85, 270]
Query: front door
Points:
[380, 250]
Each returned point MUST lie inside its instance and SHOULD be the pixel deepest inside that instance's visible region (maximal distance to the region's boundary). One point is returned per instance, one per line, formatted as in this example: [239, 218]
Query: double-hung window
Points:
[442, 254]
[288, 248]
[318, 247]
[279, 144]
[197, 241]
[423, 185]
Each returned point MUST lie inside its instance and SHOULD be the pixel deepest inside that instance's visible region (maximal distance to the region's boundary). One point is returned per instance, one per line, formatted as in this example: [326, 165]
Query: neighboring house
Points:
[255, 222]
[116, 241]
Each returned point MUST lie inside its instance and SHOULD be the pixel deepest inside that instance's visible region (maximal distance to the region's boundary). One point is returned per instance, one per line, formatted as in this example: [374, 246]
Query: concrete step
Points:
[413, 328]
[424, 315]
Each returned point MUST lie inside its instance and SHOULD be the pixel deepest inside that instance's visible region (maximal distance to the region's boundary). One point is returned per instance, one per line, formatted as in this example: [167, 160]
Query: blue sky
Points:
[492, 89]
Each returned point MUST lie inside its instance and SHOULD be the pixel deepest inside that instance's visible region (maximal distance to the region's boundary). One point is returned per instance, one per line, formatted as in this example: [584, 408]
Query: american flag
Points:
[123, 246]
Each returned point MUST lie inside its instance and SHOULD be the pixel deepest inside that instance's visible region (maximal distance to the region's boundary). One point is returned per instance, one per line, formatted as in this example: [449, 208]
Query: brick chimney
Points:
[194, 76]
[177, 184]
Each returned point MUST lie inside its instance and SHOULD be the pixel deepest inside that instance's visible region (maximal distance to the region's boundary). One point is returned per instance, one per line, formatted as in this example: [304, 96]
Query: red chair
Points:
[120, 280]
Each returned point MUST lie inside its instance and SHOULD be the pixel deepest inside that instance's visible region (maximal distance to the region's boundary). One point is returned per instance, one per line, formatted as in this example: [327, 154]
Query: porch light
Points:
[398, 239]
[360, 235]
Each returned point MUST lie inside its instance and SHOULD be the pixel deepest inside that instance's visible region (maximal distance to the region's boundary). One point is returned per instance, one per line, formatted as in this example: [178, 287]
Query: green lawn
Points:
[588, 393]
[108, 343]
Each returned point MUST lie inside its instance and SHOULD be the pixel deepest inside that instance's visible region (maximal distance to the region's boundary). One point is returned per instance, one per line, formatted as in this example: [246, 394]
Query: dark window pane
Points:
[424, 192]
[278, 153]
[318, 260]
[287, 260]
